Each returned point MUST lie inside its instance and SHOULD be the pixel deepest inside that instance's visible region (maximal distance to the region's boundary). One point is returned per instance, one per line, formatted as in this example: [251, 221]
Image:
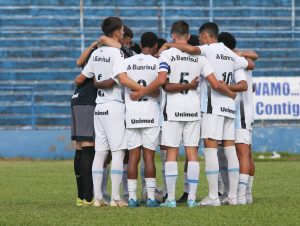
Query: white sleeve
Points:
[207, 68]
[203, 50]
[239, 75]
[88, 69]
[239, 62]
[118, 65]
[164, 62]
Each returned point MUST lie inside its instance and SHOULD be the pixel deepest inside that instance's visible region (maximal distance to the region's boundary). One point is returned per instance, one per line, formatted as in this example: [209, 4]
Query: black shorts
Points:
[82, 125]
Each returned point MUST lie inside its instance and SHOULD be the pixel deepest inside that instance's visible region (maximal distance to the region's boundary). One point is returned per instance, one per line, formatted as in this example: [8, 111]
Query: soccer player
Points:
[218, 111]
[82, 131]
[181, 111]
[243, 124]
[107, 65]
[142, 118]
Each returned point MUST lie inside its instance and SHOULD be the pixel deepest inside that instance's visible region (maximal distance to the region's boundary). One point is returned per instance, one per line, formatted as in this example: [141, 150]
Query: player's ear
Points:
[188, 37]
[173, 37]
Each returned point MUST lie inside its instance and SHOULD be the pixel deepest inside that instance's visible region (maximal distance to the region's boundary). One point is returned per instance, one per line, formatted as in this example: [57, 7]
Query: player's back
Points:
[106, 63]
[244, 103]
[142, 68]
[183, 68]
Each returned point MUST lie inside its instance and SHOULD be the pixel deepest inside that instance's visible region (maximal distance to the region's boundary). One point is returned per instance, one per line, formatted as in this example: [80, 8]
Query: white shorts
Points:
[217, 127]
[243, 136]
[146, 137]
[109, 123]
[187, 133]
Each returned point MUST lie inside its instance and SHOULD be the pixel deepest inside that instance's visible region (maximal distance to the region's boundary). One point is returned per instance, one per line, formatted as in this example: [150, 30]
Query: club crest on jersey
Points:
[102, 59]
[101, 112]
[222, 57]
[75, 95]
[142, 67]
[185, 114]
[138, 121]
[184, 58]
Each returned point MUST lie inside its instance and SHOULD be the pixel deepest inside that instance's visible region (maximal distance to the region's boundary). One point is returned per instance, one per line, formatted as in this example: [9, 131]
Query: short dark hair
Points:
[180, 27]
[136, 48]
[194, 41]
[228, 39]
[211, 28]
[149, 39]
[111, 24]
[160, 42]
[128, 32]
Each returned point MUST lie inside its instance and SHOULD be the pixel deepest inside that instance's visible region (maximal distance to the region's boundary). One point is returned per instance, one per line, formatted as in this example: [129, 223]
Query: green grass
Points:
[43, 193]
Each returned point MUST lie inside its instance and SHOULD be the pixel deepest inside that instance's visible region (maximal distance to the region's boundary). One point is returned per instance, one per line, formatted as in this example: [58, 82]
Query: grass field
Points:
[43, 193]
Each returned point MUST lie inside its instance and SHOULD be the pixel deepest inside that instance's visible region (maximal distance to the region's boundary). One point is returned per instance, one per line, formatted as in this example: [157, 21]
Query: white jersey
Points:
[244, 104]
[145, 112]
[105, 63]
[183, 68]
[224, 62]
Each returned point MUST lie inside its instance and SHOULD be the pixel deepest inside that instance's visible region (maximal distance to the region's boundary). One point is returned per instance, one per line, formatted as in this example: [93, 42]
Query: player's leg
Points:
[232, 160]
[163, 157]
[191, 137]
[242, 147]
[223, 185]
[185, 194]
[134, 144]
[77, 158]
[150, 138]
[211, 132]
[249, 198]
[115, 130]
[105, 178]
[77, 171]
[124, 177]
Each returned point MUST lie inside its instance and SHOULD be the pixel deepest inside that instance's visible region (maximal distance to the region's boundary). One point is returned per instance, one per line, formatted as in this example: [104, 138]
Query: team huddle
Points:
[127, 104]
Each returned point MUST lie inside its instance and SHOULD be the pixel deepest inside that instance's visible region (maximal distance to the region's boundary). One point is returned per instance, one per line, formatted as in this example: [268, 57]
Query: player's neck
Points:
[180, 41]
[115, 38]
[147, 51]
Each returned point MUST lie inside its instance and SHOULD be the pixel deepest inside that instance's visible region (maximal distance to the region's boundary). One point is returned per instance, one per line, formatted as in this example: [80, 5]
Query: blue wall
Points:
[56, 144]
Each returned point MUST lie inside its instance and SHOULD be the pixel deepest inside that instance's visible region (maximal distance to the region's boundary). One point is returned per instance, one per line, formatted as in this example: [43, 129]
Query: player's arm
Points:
[193, 50]
[128, 82]
[105, 84]
[107, 41]
[178, 87]
[79, 80]
[247, 54]
[84, 56]
[152, 87]
[155, 93]
[219, 86]
[241, 86]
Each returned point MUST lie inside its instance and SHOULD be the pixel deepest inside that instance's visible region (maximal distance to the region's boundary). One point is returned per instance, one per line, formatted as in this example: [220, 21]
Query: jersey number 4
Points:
[142, 83]
[184, 81]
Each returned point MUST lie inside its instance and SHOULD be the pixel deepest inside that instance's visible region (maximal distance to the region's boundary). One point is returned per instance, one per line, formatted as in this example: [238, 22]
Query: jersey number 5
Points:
[184, 81]
[142, 83]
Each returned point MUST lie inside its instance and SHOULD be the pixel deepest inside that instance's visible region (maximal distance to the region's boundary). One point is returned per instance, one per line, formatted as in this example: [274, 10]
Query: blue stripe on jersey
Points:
[164, 63]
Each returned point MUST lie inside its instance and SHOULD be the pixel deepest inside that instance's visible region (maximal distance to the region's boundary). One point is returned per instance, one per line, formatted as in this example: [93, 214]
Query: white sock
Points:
[163, 156]
[224, 186]
[104, 181]
[212, 171]
[124, 180]
[150, 185]
[193, 171]
[97, 171]
[132, 187]
[243, 181]
[233, 170]
[249, 186]
[171, 177]
[116, 173]
[142, 169]
[186, 183]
